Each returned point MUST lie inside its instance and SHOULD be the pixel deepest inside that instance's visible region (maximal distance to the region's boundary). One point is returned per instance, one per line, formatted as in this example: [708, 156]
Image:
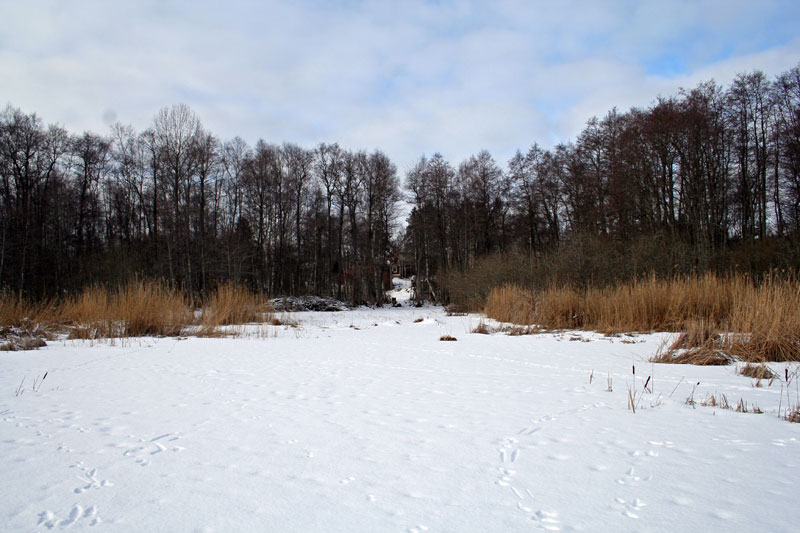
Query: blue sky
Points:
[408, 77]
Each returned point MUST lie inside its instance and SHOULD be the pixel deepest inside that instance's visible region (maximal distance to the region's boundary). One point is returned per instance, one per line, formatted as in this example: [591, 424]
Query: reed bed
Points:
[138, 308]
[18, 313]
[233, 304]
[720, 318]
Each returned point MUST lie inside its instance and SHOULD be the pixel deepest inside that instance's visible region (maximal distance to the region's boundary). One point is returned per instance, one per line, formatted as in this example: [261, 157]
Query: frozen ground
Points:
[364, 421]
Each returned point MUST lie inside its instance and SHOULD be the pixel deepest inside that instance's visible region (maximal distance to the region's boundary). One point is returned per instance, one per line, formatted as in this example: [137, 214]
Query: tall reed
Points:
[138, 308]
[731, 314]
[135, 309]
[234, 304]
[16, 312]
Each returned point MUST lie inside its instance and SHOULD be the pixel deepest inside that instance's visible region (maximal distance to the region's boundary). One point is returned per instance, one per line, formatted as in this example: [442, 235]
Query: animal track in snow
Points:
[547, 520]
[509, 454]
[630, 508]
[630, 478]
[505, 478]
[665, 444]
[77, 513]
[508, 450]
[153, 447]
[638, 453]
[90, 478]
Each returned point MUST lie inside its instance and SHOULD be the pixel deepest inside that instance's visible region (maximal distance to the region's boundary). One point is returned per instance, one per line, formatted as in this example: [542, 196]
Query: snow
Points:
[402, 291]
[364, 421]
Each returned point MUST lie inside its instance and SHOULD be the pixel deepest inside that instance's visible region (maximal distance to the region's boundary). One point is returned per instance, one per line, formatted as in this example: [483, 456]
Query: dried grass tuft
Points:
[760, 371]
[481, 328]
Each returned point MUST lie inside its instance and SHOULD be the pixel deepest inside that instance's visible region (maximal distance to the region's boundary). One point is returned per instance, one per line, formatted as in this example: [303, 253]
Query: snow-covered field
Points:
[364, 421]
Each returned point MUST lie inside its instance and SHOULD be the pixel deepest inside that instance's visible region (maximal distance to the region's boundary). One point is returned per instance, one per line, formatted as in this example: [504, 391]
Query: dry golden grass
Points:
[17, 312]
[511, 303]
[694, 356]
[722, 403]
[232, 304]
[700, 343]
[82, 333]
[447, 338]
[713, 402]
[149, 308]
[760, 371]
[89, 308]
[481, 328]
[721, 318]
[139, 308]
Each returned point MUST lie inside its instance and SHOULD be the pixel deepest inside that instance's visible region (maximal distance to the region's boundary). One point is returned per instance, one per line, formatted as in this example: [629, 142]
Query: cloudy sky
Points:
[406, 76]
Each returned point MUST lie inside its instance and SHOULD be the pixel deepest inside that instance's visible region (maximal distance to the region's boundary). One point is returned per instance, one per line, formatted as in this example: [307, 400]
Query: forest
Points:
[706, 179]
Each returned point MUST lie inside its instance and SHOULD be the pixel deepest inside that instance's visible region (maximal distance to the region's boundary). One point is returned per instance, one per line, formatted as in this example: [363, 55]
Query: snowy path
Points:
[365, 421]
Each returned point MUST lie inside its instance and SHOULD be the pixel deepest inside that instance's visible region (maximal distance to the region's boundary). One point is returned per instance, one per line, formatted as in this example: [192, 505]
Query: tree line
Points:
[174, 202]
[709, 167]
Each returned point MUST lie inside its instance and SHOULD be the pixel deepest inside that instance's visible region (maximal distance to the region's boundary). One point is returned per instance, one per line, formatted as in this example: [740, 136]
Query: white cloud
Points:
[410, 78]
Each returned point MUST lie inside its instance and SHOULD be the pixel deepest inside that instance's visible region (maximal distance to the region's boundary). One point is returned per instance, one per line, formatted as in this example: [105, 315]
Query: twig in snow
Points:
[676, 388]
[38, 382]
[690, 399]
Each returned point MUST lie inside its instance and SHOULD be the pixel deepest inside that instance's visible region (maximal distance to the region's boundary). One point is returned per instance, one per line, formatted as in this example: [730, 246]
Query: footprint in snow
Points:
[77, 513]
[63, 448]
[152, 447]
[508, 450]
[90, 478]
[631, 478]
[506, 476]
[630, 508]
[547, 520]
